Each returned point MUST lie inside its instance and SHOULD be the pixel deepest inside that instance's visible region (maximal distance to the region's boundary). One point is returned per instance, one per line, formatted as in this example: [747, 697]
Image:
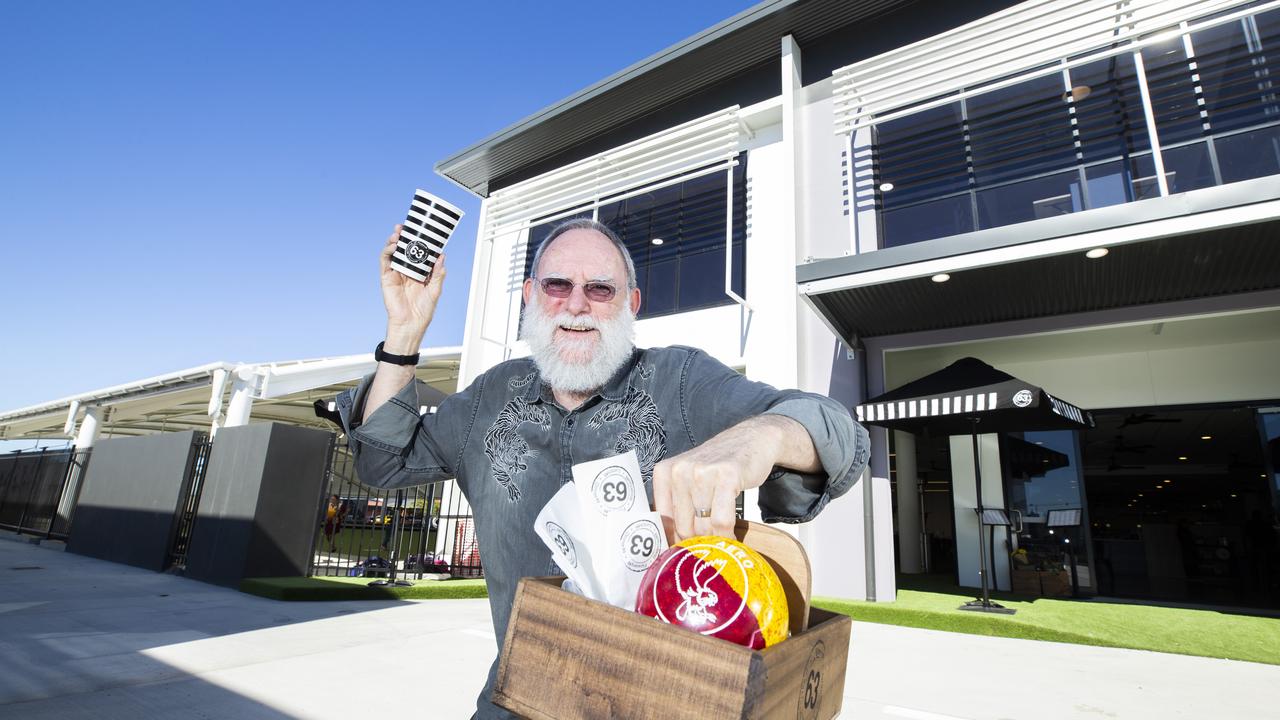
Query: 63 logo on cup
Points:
[612, 489]
[417, 251]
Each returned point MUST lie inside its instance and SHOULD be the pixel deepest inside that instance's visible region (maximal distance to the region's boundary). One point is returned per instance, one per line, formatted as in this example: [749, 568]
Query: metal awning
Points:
[1208, 243]
[283, 392]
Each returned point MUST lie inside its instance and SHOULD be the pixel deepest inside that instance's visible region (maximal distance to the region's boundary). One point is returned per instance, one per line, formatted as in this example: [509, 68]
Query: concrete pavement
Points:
[83, 638]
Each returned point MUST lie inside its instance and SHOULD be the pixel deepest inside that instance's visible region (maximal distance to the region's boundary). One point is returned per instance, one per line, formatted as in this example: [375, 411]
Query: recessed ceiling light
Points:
[886, 187]
[656, 241]
[1096, 253]
[1206, 437]
[941, 278]
[1233, 494]
[1182, 457]
[1168, 481]
[1161, 487]
[1139, 494]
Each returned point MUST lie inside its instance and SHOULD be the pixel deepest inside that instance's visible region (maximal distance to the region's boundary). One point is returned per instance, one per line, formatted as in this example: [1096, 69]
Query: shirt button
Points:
[568, 422]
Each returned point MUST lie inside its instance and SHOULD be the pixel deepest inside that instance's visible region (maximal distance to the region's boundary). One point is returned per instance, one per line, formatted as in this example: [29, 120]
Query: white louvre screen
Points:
[1022, 38]
[698, 144]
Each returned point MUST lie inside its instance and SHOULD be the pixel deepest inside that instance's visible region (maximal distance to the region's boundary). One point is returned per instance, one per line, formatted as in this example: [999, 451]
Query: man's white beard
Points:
[577, 365]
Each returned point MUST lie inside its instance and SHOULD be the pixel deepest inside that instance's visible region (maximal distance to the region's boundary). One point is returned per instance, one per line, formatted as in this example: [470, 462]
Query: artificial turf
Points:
[1208, 633]
[357, 588]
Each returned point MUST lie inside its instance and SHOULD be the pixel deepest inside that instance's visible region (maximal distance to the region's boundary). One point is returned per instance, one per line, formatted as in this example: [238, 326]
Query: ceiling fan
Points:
[1114, 465]
[1143, 418]
[1118, 444]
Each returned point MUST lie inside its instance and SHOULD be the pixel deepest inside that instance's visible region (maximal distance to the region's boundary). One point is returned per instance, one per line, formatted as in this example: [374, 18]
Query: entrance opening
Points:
[1181, 506]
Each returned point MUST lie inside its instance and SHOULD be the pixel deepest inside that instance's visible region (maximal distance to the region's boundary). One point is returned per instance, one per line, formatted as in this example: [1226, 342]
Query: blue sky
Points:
[187, 182]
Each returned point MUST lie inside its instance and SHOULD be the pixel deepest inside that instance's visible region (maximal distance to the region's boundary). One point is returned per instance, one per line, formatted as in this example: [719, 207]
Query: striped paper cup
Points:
[423, 235]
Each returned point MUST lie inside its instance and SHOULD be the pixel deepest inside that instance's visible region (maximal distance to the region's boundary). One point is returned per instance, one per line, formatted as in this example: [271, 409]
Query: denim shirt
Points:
[511, 447]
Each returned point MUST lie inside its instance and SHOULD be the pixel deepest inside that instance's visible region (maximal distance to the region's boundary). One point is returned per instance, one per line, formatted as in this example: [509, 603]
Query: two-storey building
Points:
[846, 196]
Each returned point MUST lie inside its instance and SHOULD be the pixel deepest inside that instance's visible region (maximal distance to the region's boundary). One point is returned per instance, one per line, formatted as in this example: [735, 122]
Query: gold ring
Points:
[702, 512]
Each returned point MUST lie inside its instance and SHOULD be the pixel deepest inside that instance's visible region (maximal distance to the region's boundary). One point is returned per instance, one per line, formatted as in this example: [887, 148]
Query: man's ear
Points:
[635, 300]
[527, 290]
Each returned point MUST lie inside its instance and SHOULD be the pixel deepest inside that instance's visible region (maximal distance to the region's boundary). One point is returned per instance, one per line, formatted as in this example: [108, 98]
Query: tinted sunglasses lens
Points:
[599, 292]
[557, 288]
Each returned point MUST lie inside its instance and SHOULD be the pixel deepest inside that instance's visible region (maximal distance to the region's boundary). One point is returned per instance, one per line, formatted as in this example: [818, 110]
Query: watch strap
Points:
[382, 356]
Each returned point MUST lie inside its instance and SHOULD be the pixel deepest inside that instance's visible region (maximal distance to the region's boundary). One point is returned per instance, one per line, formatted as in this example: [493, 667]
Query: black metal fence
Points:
[38, 490]
[420, 531]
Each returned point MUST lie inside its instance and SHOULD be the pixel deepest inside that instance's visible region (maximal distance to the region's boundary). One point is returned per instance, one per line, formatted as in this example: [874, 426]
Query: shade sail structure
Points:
[945, 402]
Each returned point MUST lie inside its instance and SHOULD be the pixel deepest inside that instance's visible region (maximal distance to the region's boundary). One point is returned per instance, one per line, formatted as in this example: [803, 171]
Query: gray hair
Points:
[587, 224]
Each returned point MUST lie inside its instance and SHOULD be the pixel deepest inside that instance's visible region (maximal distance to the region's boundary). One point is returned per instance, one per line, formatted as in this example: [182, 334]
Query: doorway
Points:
[1182, 505]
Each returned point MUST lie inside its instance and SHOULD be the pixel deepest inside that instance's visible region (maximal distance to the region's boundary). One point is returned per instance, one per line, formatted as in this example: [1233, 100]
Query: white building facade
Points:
[844, 197]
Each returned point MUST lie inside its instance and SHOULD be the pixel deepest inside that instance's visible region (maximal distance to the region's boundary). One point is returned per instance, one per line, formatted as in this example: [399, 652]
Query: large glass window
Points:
[1078, 138]
[676, 237]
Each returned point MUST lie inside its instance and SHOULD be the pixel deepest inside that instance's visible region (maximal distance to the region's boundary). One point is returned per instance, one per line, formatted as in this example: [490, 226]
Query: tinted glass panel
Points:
[1236, 63]
[1249, 155]
[940, 218]
[1188, 167]
[1020, 130]
[921, 157]
[1173, 94]
[1108, 109]
[1029, 200]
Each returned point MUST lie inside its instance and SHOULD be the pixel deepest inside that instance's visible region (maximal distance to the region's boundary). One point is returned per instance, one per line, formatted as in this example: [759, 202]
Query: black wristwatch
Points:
[386, 357]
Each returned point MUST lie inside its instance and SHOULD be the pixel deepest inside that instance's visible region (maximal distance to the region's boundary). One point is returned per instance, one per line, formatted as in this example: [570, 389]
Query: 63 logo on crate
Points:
[811, 690]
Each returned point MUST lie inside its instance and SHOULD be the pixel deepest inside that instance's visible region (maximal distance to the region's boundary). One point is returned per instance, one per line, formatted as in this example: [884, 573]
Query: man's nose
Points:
[577, 302]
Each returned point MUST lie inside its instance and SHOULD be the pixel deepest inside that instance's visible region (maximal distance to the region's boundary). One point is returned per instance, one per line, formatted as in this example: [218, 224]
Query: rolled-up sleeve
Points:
[843, 448]
[399, 446]
[716, 398]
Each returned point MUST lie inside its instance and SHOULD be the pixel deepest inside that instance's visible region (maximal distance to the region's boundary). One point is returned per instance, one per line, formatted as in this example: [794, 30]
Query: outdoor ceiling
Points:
[1223, 261]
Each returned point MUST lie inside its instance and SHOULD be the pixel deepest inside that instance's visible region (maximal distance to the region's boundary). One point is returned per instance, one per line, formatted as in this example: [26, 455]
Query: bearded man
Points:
[703, 432]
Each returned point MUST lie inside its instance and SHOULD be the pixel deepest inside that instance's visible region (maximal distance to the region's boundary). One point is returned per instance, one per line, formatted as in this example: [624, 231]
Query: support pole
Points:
[985, 604]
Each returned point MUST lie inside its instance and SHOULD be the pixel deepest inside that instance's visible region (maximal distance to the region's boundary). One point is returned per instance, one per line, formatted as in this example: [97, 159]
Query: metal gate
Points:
[38, 489]
[192, 484]
[363, 532]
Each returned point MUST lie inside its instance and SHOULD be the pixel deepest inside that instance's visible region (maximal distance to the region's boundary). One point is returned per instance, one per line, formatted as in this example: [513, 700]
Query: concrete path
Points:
[82, 638]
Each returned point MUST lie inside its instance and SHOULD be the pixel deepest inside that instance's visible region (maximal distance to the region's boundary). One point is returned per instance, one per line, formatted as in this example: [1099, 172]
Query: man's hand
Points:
[410, 307]
[710, 476]
[410, 304]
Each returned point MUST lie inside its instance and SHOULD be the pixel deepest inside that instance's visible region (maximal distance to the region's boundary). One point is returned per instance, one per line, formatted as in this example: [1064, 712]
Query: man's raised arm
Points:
[410, 306]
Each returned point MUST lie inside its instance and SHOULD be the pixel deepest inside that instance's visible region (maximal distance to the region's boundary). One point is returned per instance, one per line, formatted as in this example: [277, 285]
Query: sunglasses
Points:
[562, 288]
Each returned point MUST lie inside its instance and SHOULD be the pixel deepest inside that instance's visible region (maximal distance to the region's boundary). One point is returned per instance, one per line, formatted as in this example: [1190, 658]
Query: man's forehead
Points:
[581, 250]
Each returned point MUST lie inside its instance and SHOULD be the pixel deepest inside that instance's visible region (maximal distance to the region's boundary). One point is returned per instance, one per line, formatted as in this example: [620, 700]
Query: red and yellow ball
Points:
[717, 587]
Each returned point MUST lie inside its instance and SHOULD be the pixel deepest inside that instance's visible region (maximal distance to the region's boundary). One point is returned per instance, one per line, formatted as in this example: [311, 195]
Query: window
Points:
[1077, 138]
[676, 236]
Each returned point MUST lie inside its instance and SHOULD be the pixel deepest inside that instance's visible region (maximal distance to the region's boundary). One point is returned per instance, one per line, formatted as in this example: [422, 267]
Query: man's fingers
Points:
[662, 499]
[724, 509]
[682, 502]
[384, 258]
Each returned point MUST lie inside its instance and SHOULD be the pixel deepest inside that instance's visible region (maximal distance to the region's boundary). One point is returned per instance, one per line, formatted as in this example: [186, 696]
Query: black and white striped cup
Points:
[423, 235]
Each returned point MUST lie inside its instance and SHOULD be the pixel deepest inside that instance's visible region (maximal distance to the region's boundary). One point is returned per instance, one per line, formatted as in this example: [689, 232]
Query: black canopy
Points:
[965, 398]
[945, 402]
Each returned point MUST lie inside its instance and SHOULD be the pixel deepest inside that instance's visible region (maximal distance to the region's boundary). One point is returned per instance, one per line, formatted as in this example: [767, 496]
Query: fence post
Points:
[35, 480]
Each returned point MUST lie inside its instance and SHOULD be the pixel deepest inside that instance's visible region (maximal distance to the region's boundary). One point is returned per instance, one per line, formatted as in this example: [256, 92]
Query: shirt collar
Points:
[614, 390]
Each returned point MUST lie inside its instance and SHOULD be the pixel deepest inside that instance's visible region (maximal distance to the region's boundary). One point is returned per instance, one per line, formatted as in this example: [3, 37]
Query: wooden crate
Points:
[567, 657]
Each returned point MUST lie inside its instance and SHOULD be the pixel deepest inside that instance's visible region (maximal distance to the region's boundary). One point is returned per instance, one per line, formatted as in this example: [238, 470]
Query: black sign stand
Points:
[984, 603]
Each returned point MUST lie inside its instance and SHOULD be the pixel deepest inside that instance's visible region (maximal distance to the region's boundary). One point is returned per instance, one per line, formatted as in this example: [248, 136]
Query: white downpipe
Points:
[90, 427]
[241, 404]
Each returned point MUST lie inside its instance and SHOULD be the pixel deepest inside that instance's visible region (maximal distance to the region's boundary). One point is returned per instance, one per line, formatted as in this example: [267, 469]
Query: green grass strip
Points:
[357, 588]
[1207, 633]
